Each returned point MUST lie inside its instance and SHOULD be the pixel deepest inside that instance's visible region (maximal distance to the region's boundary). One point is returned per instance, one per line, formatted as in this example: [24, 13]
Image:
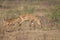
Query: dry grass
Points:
[10, 9]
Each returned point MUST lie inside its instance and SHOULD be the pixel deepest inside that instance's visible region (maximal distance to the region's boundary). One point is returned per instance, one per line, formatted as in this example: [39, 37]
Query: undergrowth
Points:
[55, 16]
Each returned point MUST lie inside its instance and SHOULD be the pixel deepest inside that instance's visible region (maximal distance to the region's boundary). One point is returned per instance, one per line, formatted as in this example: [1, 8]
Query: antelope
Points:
[21, 18]
[30, 18]
[10, 21]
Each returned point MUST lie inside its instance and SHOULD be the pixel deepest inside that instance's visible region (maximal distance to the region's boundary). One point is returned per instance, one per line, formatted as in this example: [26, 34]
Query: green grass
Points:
[28, 9]
[13, 13]
[55, 16]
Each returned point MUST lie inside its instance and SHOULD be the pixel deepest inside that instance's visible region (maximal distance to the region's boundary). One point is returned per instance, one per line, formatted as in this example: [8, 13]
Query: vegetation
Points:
[55, 16]
[29, 7]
